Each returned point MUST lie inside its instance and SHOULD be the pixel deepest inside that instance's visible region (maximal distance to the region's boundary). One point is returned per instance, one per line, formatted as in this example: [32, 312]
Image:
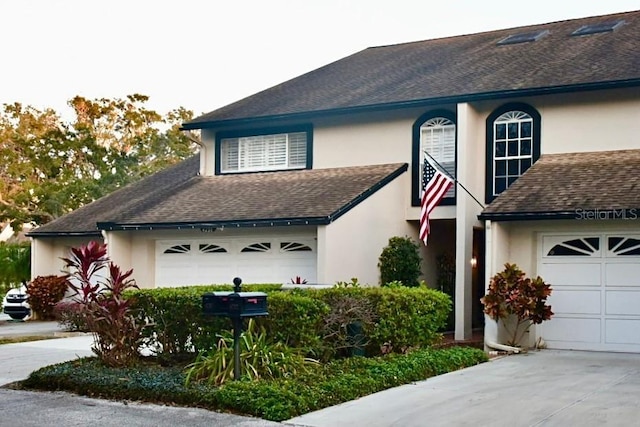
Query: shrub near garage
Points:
[44, 293]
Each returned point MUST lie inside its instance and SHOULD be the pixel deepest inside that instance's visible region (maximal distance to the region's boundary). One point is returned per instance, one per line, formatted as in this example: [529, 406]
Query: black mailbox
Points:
[234, 304]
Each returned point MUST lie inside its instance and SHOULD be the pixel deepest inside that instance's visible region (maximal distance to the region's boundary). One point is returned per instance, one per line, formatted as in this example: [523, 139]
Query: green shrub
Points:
[44, 293]
[400, 261]
[408, 317]
[295, 319]
[176, 326]
[276, 400]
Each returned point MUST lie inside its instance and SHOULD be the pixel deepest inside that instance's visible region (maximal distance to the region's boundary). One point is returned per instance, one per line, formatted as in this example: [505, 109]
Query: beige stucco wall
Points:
[46, 253]
[598, 121]
[350, 246]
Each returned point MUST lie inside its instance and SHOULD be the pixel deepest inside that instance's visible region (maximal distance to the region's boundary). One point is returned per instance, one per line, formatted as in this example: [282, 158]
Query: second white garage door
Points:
[255, 260]
[596, 291]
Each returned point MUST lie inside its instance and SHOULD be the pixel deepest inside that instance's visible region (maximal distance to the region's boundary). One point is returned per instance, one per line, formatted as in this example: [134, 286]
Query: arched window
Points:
[513, 145]
[435, 134]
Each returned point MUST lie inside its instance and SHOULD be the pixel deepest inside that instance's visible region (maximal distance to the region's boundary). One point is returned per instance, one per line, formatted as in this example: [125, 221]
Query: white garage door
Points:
[596, 291]
[215, 261]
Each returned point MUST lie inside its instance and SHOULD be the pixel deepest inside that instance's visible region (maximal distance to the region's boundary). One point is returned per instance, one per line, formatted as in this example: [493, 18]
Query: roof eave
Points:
[213, 225]
[576, 214]
[305, 115]
[37, 234]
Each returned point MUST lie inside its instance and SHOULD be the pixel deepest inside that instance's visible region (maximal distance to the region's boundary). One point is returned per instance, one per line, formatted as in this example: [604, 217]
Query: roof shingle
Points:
[452, 68]
[563, 185]
[179, 197]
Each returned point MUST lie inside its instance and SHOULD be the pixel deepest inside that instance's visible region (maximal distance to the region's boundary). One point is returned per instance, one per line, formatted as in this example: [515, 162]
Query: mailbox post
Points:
[235, 305]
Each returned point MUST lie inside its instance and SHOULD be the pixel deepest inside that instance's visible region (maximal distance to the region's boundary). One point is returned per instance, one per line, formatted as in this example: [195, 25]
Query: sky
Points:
[204, 54]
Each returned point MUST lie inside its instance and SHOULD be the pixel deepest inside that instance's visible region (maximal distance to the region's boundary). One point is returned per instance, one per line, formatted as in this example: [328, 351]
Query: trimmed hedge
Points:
[277, 400]
[399, 318]
[175, 322]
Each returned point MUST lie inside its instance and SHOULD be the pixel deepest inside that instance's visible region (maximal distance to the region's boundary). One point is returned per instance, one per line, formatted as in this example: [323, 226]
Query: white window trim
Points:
[515, 116]
[269, 147]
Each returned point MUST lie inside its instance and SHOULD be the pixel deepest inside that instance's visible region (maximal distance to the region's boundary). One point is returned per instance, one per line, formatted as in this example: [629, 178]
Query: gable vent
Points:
[523, 37]
[602, 27]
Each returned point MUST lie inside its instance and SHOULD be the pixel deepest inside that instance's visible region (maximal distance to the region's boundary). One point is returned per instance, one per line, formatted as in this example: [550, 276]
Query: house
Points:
[310, 178]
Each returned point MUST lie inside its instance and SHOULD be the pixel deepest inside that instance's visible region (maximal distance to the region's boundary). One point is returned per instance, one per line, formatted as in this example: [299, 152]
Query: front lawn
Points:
[280, 399]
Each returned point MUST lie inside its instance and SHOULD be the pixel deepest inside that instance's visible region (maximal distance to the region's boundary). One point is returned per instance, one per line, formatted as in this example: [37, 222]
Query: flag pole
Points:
[443, 170]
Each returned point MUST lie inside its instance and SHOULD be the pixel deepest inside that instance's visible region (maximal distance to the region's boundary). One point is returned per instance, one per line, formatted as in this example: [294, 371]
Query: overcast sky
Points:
[203, 54]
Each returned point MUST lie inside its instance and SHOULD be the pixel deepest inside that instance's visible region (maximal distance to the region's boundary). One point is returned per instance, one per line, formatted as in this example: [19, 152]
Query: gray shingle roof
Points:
[178, 197]
[566, 185]
[127, 199]
[453, 68]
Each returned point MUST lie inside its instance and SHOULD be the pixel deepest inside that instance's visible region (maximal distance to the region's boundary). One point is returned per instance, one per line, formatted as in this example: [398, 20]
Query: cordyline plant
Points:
[512, 295]
[109, 316]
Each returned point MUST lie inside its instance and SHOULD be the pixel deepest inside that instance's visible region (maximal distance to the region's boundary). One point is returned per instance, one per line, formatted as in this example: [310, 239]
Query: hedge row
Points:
[313, 320]
[333, 383]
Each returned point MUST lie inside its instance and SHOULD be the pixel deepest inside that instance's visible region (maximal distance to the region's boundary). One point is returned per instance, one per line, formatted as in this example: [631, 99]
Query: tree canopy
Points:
[49, 167]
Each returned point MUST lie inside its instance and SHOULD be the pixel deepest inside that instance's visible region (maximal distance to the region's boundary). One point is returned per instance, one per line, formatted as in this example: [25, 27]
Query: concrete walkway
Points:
[546, 388]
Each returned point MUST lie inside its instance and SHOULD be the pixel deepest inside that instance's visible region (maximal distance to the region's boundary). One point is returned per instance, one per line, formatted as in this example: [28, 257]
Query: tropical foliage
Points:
[109, 315]
[512, 296]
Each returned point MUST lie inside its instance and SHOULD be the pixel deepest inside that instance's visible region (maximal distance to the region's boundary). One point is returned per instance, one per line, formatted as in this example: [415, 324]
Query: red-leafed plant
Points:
[298, 280]
[512, 295]
[109, 316]
[44, 293]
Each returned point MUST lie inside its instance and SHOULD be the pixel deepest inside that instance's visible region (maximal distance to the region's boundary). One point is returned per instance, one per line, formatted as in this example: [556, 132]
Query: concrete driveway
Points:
[545, 388]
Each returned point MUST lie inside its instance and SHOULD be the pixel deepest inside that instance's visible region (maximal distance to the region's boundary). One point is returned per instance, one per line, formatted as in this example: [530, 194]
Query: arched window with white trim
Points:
[513, 145]
[435, 137]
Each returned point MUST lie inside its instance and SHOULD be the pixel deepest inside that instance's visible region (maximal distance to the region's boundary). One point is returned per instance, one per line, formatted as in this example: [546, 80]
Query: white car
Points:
[15, 303]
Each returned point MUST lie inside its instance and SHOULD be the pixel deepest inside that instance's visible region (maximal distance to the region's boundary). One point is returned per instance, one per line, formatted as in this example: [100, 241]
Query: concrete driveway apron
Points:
[542, 388]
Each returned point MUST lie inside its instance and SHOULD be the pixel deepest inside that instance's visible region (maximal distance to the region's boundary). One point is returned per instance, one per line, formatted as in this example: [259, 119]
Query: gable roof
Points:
[82, 221]
[592, 185]
[452, 69]
[179, 198]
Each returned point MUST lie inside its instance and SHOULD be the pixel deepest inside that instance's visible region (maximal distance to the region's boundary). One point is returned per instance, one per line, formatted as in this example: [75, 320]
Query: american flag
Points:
[435, 185]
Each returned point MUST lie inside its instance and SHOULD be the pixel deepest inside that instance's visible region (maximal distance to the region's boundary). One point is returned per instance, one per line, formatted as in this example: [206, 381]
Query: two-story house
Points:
[310, 178]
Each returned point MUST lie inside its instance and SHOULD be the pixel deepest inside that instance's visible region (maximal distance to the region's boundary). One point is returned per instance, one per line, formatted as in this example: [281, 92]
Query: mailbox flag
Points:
[435, 185]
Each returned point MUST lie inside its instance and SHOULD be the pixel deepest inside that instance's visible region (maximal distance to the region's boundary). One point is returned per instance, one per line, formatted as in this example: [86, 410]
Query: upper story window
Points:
[435, 134]
[263, 151]
[513, 145]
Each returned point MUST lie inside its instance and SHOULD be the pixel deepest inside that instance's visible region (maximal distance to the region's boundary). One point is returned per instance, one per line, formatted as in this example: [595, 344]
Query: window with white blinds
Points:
[263, 152]
[438, 138]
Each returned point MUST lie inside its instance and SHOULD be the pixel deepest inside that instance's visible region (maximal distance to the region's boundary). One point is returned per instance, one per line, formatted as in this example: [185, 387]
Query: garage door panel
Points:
[572, 274]
[259, 259]
[575, 329]
[596, 291]
[623, 303]
[575, 301]
[623, 274]
[622, 331]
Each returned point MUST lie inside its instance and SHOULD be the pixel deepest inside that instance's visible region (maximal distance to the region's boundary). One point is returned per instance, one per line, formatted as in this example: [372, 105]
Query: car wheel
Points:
[16, 316]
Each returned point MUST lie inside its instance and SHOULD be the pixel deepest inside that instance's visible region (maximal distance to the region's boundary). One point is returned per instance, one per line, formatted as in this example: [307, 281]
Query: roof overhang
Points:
[417, 103]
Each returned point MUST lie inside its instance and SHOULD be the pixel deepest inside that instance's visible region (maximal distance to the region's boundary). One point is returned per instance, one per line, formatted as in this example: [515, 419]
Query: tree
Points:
[49, 167]
[15, 263]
